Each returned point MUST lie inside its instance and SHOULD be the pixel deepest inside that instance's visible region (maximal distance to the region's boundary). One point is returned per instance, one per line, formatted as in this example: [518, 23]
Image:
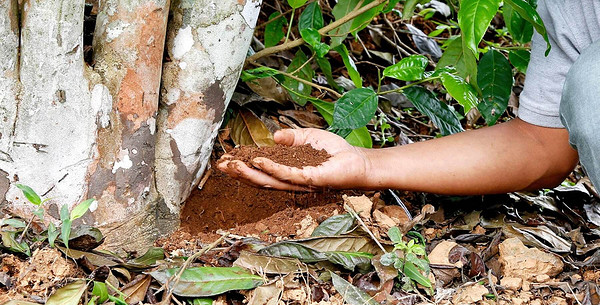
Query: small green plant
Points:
[410, 259]
[66, 217]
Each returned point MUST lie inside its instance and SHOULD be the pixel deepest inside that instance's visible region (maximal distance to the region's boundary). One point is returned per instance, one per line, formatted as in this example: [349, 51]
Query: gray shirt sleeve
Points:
[540, 99]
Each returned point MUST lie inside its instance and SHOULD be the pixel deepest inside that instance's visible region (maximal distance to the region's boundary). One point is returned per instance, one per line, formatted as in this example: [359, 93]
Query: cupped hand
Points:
[348, 166]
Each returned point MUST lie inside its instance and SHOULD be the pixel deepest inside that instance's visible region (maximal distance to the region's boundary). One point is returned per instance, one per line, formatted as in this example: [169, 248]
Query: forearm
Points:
[507, 157]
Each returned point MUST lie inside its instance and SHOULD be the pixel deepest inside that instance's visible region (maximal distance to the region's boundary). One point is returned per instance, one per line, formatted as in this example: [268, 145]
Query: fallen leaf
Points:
[248, 129]
[351, 294]
[519, 261]
[268, 264]
[440, 254]
[360, 204]
[95, 259]
[69, 294]
[208, 281]
[136, 291]
[85, 238]
[384, 221]
[335, 225]
[470, 294]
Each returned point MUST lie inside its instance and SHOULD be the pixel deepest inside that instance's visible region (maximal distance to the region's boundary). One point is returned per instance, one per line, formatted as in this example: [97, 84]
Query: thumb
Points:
[289, 137]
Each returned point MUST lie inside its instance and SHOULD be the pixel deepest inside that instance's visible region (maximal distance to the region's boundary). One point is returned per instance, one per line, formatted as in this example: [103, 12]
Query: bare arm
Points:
[507, 157]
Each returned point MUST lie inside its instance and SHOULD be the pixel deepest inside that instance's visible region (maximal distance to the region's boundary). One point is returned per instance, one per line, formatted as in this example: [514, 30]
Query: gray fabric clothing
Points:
[580, 111]
[572, 26]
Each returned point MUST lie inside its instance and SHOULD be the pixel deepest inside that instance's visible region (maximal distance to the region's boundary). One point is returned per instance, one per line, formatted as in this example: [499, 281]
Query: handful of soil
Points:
[293, 156]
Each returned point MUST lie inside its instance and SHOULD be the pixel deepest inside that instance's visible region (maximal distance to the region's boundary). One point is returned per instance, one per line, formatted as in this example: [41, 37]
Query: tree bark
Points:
[74, 132]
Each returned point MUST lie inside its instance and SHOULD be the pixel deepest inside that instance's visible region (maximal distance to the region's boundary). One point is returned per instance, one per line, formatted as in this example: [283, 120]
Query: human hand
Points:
[348, 166]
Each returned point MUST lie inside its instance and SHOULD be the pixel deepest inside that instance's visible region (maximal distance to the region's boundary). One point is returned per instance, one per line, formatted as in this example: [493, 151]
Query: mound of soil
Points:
[225, 203]
[294, 156]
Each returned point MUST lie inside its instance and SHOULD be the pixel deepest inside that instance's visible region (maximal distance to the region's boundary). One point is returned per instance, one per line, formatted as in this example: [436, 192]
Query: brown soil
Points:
[227, 204]
[294, 156]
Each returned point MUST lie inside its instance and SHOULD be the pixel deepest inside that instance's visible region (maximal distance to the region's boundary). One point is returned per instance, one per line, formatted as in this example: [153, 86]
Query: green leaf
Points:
[354, 109]
[350, 260]
[409, 8]
[409, 68]
[395, 235]
[496, 81]
[296, 3]
[15, 223]
[335, 225]
[411, 271]
[64, 212]
[474, 18]
[65, 231]
[311, 17]
[80, 209]
[30, 194]
[69, 294]
[363, 20]
[260, 72]
[351, 294]
[350, 66]
[418, 262]
[360, 137]
[305, 73]
[52, 234]
[325, 67]
[441, 114]
[343, 8]
[344, 243]
[457, 56]
[148, 259]
[313, 38]
[39, 212]
[460, 90]
[295, 250]
[519, 59]
[528, 12]
[100, 291]
[202, 301]
[274, 30]
[520, 30]
[117, 301]
[390, 6]
[208, 281]
[9, 240]
[357, 137]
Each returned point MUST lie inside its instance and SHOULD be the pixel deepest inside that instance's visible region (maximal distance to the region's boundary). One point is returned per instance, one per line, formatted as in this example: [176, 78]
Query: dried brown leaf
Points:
[248, 129]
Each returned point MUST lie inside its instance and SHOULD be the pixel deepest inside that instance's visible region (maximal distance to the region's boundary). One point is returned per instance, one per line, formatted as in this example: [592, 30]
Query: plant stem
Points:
[507, 48]
[409, 85]
[298, 42]
[353, 213]
[333, 92]
[290, 26]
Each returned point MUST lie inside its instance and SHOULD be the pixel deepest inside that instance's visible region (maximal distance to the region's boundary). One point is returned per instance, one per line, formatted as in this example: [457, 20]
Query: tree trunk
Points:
[74, 132]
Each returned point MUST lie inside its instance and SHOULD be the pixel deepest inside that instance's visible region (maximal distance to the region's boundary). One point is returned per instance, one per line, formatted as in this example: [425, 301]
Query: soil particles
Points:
[227, 204]
[293, 156]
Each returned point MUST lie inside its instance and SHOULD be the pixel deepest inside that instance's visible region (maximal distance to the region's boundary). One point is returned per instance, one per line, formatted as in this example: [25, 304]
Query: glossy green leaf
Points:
[442, 116]
[354, 109]
[350, 260]
[474, 18]
[313, 39]
[495, 80]
[311, 17]
[294, 250]
[69, 294]
[100, 291]
[457, 56]
[274, 31]
[519, 59]
[460, 90]
[351, 294]
[350, 66]
[411, 271]
[390, 6]
[202, 301]
[363, 20]
[341, 9]
[296, 3]
[208, 281]
[80, 209]
[528, 12]
[325, 67]
[306, 73]
[520, 29]
[30, 194]
[409, 68]
[358, 137]
[260, 72]
[335, 225]
[148, 259]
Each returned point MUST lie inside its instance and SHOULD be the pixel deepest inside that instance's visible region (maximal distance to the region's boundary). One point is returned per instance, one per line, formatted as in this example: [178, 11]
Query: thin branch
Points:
[333, 92]
[298, 42]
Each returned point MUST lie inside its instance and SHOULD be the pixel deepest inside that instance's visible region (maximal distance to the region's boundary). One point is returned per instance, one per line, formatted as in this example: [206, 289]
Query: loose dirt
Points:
[227, 204]
[294, 156]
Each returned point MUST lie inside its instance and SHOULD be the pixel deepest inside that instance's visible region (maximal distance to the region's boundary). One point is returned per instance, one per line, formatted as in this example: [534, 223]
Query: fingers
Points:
[292, 137]
[295, 176]
[240, 171]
